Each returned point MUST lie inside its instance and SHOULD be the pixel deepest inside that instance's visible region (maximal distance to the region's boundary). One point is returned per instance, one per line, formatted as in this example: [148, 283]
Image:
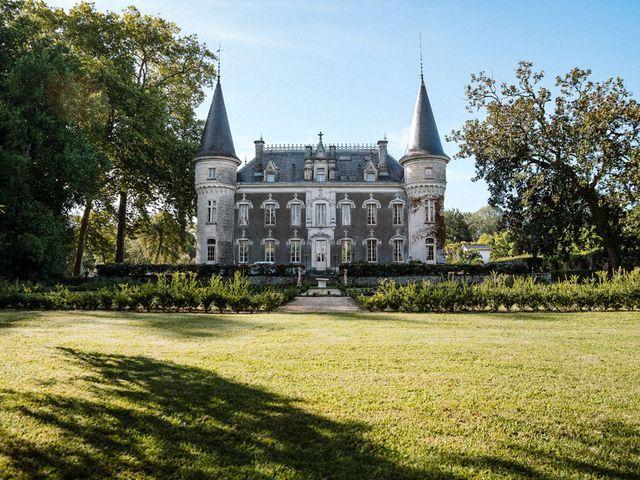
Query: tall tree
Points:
[47, 160]
[555, 163]
[153, 78]
[456, 226]
[487, 220]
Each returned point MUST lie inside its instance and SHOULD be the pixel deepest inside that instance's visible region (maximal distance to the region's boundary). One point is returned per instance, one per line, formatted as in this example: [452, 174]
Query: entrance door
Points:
[321, 254]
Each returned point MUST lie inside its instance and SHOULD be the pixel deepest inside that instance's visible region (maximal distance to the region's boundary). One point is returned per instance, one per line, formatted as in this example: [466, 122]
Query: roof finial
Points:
[421, 71]
[219, 52]
[320, 136]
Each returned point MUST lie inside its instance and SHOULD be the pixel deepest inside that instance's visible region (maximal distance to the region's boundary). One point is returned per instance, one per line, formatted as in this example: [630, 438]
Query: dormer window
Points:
[371, 176]
[270, 172]
[212, 173]
[320, 174]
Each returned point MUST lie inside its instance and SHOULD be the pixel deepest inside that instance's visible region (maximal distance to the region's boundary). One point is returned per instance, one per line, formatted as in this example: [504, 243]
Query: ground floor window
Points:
[398, 250]
[243, 251]
[211, 250]
[270, 251]
[430, 244]
[294, 252]
[372, 251]
[346, 251]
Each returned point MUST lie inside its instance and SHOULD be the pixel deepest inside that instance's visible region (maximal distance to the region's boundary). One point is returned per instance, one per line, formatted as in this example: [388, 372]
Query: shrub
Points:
[500, 292]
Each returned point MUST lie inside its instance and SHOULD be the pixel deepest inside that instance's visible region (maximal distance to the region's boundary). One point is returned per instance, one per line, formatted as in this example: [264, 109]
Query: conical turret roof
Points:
[216, 138]
[423, 138]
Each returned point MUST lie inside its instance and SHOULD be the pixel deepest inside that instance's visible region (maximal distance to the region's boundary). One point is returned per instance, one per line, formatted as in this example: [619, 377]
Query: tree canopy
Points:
[556, 159]
[47, 159]
[95, 108]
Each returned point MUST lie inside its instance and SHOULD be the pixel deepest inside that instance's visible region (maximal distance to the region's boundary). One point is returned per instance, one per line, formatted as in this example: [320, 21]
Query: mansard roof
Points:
[351, 161]
[423, 138]
[216, 138]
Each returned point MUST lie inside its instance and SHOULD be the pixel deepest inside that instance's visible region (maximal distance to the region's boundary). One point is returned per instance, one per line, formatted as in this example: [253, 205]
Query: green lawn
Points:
[393, 396]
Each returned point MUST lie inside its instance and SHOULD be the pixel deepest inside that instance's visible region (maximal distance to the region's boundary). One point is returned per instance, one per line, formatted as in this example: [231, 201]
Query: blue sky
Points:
[350, 68]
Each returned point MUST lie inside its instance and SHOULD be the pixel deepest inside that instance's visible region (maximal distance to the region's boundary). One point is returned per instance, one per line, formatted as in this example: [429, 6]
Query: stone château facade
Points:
[320, 205]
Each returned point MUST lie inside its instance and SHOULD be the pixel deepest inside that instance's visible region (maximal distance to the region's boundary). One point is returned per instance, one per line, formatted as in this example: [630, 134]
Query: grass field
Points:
[393, 396]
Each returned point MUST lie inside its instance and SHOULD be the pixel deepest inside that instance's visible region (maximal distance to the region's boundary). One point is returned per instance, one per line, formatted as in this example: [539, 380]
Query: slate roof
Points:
[350, 165]
[423, 137]
[216, 138]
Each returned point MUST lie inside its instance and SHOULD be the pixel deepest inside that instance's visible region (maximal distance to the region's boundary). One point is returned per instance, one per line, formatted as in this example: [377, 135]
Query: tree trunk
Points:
[122, 220]
[160, 245]
[605, 223]
[615, 259]
[82, 238]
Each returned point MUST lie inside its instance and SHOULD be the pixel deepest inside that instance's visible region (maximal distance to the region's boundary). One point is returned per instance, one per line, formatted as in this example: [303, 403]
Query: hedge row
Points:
[500, 293]
[201, 270]
[176, 292]
[363, 269]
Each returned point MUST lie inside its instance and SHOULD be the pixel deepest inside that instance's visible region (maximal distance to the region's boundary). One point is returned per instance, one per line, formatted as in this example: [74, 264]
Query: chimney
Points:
[259, 147]
[383, 168]
[257, 165]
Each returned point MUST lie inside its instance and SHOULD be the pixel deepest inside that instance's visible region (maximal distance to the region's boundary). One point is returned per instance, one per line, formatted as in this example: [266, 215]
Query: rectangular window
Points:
[271, 177]
[371, 177]
[371, 214]
[397, 213]
[346, 251]
[346, 214]
[270, 214]
[296, 214]
[372, 250]
[243, 251]
[321, 214]
[430, 244]
[211, 250]
[430, 211]
[428, 172]
[294, 252]
[212, 173]
[211, 211]
[320, 175]
[243, 214]
[398, 250]
[270, 251]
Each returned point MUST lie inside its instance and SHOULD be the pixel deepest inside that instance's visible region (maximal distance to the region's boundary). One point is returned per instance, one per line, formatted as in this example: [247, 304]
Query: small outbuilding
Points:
[482, 248]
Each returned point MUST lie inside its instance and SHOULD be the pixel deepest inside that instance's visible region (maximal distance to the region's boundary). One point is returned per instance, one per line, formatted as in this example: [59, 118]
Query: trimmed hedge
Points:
[363, 269]
[201, 270]
[501, 293]
[178, 291]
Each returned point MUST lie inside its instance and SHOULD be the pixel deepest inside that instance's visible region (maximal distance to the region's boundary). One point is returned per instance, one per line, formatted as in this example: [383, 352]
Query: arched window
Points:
[430, 246]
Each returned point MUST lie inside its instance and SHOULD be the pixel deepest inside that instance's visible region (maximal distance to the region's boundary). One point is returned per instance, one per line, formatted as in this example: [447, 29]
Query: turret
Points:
[216, 164]
[425, 166]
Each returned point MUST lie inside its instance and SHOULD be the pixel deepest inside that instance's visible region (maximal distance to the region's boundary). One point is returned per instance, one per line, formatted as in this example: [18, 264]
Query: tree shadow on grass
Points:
[144, 417]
